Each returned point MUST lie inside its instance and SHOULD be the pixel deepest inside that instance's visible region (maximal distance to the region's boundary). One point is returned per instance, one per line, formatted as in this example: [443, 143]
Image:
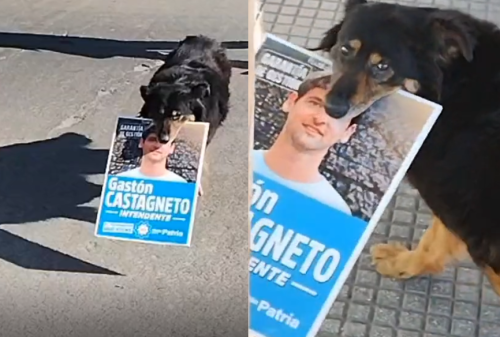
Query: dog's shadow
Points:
[44, 180]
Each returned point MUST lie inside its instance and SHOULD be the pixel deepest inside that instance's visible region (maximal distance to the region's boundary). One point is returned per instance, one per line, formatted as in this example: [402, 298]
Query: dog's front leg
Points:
[436, 249]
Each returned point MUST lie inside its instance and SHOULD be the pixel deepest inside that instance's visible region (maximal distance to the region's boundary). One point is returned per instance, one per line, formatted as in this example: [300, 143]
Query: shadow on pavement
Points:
[102, 48]
[31, 255]
[44, 180]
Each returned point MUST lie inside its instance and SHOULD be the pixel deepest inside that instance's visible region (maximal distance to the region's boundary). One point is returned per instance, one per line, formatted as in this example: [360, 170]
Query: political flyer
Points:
[151, 188]
[320, 185]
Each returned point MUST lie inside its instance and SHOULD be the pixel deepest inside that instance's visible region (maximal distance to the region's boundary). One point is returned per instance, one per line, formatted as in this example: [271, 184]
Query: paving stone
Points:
[488, 330]
[459, 302]
[406, 333]
[359, 312]
[378, 331]
[463, 328]
[330, 326]
[440, 306]
[465, 310]
[351, 329]
[384, 316]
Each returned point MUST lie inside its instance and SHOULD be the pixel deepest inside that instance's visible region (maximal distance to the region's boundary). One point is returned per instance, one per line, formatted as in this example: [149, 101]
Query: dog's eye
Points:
[382, 66]
[175, 115]
[345, 50]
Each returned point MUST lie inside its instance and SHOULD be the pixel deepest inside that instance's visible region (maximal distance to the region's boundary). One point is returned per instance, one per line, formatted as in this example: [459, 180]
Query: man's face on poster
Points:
[309, 126]
[154, 150]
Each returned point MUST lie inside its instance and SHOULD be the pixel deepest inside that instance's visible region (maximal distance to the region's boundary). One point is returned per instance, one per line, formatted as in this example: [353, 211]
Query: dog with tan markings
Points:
[451, 58]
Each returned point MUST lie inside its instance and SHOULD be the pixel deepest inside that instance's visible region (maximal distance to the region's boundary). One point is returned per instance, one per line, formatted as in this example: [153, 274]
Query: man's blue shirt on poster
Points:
[321, 191]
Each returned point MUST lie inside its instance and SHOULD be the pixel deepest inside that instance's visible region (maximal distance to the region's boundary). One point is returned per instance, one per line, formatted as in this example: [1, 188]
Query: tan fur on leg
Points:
[494, 279]
[437, 248]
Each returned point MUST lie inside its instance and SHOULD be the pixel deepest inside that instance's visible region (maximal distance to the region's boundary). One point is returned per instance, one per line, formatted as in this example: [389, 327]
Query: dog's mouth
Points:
[356, 110]
[170, 128]
[338, 106]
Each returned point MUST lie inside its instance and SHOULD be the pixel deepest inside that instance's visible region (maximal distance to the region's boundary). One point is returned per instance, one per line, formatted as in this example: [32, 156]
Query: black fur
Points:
[456, 60]
[194, 80]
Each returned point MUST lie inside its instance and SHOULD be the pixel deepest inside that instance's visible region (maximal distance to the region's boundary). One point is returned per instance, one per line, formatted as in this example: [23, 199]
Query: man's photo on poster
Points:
[139, 154]
[347, 163]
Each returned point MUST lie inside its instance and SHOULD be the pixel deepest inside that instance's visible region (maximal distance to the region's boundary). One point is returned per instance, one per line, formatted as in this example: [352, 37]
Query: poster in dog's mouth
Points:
[320, 184]
[177, 124]
[151, 187]
[167, 129]
[354, 110]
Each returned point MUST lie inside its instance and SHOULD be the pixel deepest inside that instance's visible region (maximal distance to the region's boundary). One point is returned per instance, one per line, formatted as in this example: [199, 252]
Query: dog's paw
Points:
[391, 260]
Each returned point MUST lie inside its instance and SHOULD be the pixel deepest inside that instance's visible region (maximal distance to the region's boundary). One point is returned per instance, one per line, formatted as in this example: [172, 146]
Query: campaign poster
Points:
[320, 185]
[151, 188]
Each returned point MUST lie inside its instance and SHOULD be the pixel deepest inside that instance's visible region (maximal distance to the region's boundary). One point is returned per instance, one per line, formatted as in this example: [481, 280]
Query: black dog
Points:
[451, 58]
[192, 84]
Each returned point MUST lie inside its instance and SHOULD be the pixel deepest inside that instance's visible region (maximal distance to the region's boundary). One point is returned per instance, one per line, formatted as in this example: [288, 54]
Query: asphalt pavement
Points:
[67, 70]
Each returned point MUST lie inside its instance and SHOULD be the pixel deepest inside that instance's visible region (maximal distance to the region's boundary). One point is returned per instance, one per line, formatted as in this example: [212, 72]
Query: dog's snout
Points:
[164, 137]
[336, 106]
[162, 131]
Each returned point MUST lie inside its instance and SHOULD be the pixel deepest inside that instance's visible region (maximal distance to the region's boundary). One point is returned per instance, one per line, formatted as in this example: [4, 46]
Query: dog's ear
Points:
[329, 40]
[351, 4]
[453, 34]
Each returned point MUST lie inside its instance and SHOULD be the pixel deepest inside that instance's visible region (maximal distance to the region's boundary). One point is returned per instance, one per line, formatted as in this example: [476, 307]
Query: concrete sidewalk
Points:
[457, 303]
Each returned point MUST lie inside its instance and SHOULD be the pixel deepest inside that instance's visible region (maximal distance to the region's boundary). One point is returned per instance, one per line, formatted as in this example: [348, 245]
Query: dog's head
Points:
[175, 98]
[380, 48]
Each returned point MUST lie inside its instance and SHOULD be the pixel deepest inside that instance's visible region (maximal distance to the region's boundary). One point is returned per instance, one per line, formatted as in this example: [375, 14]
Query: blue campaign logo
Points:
[147, 210]
[299, 248]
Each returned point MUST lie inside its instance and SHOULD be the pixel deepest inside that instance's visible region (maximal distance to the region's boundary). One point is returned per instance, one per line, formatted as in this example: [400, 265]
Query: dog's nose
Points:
[164, 137]
[162, 134]
[336, 107]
